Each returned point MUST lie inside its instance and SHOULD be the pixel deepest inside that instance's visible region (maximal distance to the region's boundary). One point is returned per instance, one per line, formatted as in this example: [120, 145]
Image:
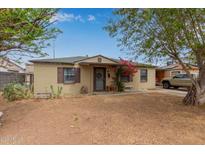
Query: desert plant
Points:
[55, 94]
[120, 85]
[84, 90]
[16, 91]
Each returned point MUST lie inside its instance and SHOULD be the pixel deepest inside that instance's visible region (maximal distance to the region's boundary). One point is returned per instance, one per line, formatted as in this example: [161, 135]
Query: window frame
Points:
[142, 76]
[129, 78]
[73, 74]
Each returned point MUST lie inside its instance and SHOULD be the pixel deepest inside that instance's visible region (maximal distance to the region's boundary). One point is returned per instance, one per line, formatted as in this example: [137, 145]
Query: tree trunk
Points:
[196, 93]
[192, 96]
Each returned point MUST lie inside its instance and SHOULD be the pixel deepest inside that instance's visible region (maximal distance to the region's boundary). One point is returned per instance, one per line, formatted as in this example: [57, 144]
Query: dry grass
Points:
[152, 118]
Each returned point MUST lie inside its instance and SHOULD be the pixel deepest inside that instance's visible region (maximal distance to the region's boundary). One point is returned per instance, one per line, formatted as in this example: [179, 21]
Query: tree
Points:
[25, 32]
[162, 33]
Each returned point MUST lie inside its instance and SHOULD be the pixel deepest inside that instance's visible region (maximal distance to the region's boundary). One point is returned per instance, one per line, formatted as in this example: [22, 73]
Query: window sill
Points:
[71, 82]
[143, 81]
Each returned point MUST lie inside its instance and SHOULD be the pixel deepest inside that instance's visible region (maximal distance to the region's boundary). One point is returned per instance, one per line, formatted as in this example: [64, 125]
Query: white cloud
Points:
[91, 18]
[61, 17]
[70, 17]
[79, 18]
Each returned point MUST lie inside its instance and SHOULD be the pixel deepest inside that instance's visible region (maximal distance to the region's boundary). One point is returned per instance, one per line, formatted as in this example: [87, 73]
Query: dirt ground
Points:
[142, 118]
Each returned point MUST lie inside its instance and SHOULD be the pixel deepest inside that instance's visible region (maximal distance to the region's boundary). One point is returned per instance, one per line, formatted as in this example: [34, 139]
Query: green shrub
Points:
[118, 82]
[16, 91]
[31, 87]
[120, 86]
[56, 94]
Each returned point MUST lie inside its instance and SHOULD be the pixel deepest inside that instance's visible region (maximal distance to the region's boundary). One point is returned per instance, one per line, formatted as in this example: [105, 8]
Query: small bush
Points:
[84, 90]
[56, 94]
[120, 86]
[16, 91]
[118, 82]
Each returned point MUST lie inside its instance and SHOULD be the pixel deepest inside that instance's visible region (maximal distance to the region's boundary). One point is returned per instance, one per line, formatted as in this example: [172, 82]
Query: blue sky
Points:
[83, 34]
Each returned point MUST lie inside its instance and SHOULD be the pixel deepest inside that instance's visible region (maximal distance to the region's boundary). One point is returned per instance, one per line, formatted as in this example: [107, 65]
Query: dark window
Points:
[185, 76]
[143, 75]
[125, 78]
[174, 73]
[178, 76]
[69, 75]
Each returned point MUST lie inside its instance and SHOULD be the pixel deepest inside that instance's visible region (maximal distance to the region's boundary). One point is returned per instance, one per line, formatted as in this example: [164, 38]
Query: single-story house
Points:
[96, 73]
[172, 70]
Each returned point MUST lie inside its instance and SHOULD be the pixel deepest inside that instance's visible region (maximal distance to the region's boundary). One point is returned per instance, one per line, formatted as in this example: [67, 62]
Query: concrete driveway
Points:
[177, 92]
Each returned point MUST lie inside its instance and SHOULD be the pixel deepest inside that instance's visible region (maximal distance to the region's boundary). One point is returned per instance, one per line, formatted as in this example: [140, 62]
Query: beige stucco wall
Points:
[45, 75]
[138, 85]
[151, 79]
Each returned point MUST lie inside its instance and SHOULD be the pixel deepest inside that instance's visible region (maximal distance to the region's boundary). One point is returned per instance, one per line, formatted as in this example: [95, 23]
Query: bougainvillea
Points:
[129, 67]
[126, 68]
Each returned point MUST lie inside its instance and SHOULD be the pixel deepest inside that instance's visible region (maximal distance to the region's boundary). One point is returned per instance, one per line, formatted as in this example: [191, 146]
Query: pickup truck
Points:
[180, 80]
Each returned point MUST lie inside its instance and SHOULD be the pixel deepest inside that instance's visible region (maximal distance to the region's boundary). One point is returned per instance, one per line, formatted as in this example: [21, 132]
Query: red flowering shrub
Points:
[128, 67]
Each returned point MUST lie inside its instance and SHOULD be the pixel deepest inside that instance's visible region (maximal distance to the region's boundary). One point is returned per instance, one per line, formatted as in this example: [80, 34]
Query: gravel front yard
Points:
[143, 118]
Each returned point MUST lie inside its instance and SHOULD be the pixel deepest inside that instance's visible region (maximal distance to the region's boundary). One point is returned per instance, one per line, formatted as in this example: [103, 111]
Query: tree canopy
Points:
[160, 33]
[25, 32]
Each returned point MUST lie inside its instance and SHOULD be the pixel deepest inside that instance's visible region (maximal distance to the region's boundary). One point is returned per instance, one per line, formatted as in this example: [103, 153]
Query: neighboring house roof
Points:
[2, 69]
[80, 59]
[177, 67]
[8, 65]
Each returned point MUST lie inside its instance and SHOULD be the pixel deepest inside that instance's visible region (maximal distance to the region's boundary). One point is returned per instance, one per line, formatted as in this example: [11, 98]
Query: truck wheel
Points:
[166, 85]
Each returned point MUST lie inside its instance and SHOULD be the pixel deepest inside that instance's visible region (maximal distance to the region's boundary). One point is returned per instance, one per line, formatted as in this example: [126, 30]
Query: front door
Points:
[99, 79]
